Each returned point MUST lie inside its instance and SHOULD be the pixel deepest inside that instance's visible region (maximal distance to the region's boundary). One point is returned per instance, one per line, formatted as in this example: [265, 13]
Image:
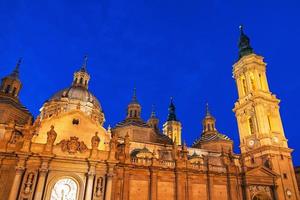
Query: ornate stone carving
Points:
[73, 146]
[255, 189]
[51, 136]
[95, 141]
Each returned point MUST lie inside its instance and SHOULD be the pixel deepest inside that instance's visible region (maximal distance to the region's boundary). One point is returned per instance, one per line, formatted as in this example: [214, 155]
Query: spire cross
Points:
[207, 110]
[18, 64]
[84, 64]
[16, 70]
[153, 114]
[134, 99]
[241, 27]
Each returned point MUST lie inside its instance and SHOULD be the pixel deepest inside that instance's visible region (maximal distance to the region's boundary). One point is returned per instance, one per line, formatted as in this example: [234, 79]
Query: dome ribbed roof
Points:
[78, 93]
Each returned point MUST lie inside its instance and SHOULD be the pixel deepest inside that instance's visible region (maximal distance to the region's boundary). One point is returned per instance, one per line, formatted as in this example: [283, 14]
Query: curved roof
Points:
[214, 136]
[78, 93]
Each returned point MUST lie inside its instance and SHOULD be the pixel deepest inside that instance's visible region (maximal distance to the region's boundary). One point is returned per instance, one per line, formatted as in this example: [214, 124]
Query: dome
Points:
[76, 97]
[77, 93]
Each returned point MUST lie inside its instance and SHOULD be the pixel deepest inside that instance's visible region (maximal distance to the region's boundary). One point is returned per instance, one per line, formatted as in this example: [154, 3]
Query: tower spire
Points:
[207, 110]
[153, 114]
[171, 114]
[134, 98]
[244, 44]
[15, 73]
[84, 64]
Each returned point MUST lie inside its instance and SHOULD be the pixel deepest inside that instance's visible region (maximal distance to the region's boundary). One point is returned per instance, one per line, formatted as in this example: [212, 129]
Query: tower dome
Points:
[75, 97]
[73, 112]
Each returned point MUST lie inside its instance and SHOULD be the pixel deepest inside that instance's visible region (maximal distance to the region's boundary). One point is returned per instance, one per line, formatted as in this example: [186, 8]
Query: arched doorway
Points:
[64, 189]
[261, 197]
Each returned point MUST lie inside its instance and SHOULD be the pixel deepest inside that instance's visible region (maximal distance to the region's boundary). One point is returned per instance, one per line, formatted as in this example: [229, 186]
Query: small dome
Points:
[77, 93]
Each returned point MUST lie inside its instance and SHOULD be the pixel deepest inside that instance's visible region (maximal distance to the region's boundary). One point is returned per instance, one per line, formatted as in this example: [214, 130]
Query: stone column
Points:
[89, 186]
[125, 192]
[153, 185]
[16, 184]
[40, 184]
[108, 186]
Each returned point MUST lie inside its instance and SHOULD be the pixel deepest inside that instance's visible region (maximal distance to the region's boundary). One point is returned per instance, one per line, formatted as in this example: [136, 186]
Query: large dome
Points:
[77, 93]
[77, 97]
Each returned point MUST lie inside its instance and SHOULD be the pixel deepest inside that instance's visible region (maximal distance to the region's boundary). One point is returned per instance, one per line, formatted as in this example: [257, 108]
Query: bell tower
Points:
[172, 128]
[262, 138]
[11, 85]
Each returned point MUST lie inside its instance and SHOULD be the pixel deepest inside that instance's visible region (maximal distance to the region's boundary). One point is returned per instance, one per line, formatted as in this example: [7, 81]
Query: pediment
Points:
[261, 172]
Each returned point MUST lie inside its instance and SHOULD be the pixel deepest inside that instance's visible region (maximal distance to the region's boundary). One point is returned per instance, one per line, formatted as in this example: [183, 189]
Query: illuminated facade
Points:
[66, 153]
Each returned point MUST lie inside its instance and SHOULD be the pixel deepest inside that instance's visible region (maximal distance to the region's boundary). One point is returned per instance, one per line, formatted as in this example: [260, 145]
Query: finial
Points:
[171, 114]
[241, 29]
[84, 64]
[134, 99]
[153, 114]
[244, 43]
[207, 110]
[15, 73]
[171, 99]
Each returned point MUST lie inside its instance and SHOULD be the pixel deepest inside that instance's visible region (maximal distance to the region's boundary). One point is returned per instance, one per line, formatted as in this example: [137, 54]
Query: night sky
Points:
[178, 48]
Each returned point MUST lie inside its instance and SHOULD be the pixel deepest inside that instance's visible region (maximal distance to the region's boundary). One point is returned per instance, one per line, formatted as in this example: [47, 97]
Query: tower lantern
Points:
[11, 84]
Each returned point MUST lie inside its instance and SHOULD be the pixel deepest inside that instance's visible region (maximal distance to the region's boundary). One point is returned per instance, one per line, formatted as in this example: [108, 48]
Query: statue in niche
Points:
[51, 136]
[99, 187]
[95, 141]
[29, 183]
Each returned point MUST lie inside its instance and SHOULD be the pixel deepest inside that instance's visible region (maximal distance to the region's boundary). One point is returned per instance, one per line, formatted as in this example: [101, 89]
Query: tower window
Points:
[281, 156]
[244, 86]
[75, 81]
[7, 89]
[252, 82]
[261, 82]
[85, 82]
[135, 113]
[284, 175]
[14, 91]
[81, 80]
[251, 125]
[130, 114]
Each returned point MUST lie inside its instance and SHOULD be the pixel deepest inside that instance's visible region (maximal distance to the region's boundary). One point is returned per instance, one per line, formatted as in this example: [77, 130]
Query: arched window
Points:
[7, 89]
[66, 189]
[75, 81]
[81, 80]
[14, 91]
[244, 85]
[251, 125]
[261, 82]
[252, 82]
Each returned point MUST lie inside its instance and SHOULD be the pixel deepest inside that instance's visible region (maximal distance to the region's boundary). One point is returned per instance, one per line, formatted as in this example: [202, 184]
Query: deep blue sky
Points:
[183, 49]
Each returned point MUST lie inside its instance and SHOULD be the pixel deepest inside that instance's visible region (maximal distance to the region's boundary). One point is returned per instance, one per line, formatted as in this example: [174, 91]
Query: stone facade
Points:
[66, 153]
